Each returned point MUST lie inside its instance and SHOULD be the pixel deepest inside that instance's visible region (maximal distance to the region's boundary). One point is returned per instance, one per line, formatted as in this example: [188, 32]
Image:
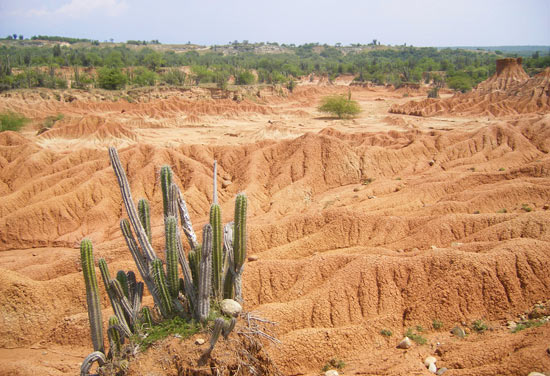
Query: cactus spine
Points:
[217, 251]
[172, 255]
[161, 286]
[205, 275]
[92, 294]
[165, 182]
[145, 218]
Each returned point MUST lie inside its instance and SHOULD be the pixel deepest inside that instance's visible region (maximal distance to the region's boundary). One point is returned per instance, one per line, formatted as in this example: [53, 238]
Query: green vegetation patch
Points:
[340, 106]
[416, 337]
[177, 325]
[12, 121]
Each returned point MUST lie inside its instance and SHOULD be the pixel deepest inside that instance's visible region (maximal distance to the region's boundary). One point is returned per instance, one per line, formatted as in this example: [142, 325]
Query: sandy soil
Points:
[386, 221]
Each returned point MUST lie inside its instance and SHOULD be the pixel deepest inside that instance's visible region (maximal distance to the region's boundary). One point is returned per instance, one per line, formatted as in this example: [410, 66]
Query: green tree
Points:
[340, 106]
[245, 77]
[111, 78]
[144, 77]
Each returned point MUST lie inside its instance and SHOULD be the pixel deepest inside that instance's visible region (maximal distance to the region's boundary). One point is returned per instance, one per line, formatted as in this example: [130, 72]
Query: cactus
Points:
[172, 255]
[115, 302]
[165, 183]
[233, 282]
[92, 294]
[217, 251]
[96, 356]
[145, 218]
[194, 257]
[205, 275]
[228, 327]
[123, 279]
[147, 318]
[161, 287]
[115, 341]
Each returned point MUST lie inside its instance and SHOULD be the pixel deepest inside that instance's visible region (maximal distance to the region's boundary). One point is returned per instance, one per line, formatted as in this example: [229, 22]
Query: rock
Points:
[548, 350]
[433, 247]
[441, 371]
[432, 368]
[546, 207]
[253, 258]
[331, 372]
[371, 197]
[199, 341]
[536, 374]
[405, 343]
[459, 332]
[429, 360]
[230, 307]
[226, 183]
[356, 189]
[511, 325]
[431, 162]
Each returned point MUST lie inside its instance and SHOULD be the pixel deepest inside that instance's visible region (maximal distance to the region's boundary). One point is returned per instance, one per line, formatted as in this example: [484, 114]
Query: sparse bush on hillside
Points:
[144, 77]
[11, 121]
[433, 93]
[111, 78]
[340, 106]
[245, 77]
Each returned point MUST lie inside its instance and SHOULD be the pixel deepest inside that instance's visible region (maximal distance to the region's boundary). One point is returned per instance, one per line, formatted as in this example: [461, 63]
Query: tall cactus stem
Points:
[147, 317]
[114, 336]
[145, 218]
[171, 234]
[239, 243]
[186, 224]
[115, 302]
[205, 275]
[194, 257]
[215, 185]
[92, 294]
[123, 279]
[217, 251]
[165, 182]
[161, 286]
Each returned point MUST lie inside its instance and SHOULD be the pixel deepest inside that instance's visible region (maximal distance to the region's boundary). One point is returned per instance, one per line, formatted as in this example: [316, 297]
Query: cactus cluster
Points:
[211, 270]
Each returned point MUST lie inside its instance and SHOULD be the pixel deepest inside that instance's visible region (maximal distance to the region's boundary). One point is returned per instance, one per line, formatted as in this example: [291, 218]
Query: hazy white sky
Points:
[416, 22]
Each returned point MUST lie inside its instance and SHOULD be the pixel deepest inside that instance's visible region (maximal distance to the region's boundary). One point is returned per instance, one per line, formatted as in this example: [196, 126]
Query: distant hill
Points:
[519, 50]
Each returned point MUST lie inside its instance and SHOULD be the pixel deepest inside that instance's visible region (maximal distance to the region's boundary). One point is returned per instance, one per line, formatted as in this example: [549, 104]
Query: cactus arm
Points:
[126, 193]
[114, 336]
[228, 260]
[239, 243]
[165, 183]
[228, 327]
[185, 218]
[138, 296]
[145, 218]
[205, 275]
[115, 303]
[131, 278]
[147, 318]
[119, 292]
[92, 294]
[123, 279]
[217, 251]
[96, 356]
[161, 286]
[171, 233]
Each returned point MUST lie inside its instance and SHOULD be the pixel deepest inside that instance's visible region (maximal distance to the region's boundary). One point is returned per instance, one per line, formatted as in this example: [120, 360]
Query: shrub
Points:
[333, 364]
[245, 78]
[527, 324]
[433, 93]
[339, 106]
[437, 324]
[416, 337]
[386, 332]
[479, 326]
[526, 208]
[144, 77]
[11, 121]
[111, 78]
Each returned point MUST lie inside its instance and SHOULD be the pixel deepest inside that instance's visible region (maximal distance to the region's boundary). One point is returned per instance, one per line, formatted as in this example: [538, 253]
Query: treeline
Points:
[121, 65]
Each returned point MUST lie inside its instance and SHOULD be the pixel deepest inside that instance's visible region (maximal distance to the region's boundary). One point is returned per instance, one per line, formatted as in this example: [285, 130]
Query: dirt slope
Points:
[509, 91]
[359, 225]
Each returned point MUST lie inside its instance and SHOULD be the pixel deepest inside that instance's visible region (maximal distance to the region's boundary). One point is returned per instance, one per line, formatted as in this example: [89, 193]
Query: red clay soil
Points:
[358, 225]
[509, 91]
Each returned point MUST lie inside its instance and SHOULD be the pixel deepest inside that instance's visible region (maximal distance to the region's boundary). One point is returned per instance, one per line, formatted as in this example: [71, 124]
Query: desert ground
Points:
[387, 221]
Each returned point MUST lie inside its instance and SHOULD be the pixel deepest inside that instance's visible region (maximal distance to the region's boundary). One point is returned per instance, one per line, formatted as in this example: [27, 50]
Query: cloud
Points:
[82, 8]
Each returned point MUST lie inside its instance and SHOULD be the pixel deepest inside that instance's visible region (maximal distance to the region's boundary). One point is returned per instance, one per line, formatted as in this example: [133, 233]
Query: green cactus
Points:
[165, 182]
[233, 282]
[217, 251]
[147, 318]
[194, 262]
[145, 217]
[171, 233]
[228, 327]
[114, 336]
[96, 356]
[115, 302]
[205, 274]
[166, 305]
[123, 279]
[92, 294]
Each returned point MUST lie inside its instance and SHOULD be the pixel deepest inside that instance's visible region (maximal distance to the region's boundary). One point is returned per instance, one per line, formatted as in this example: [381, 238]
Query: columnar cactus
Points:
[145, 217]
[115, 302]
[96, 356]
[233, 285]
[171, 234]
[217, 251]
[165, 183]
[194, 257]
[92, 294]
[161, 287]
[205, 275]
[115, 341]
[123, 279]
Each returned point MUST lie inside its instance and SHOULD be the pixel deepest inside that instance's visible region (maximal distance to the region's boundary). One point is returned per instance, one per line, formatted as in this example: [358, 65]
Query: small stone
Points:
[441, 371]
[230, 307]
[177, 335]
[371, 197]
[459, 332]
[429, 360]
[356, 189]
[432, 368]
[44, 352]
[199, 341]
[433, 247]
[431, 162]
[253, 258]
[405, 343]
[226, 183]
[546, 207]
[536, 374]
[331, 372]
[548, 350]
[511, 325]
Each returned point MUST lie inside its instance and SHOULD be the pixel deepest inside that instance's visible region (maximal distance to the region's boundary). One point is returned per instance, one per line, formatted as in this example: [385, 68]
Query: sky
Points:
[392, 22]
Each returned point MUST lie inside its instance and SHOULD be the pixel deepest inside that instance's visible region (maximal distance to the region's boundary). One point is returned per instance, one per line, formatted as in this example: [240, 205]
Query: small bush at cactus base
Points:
[176, 326]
